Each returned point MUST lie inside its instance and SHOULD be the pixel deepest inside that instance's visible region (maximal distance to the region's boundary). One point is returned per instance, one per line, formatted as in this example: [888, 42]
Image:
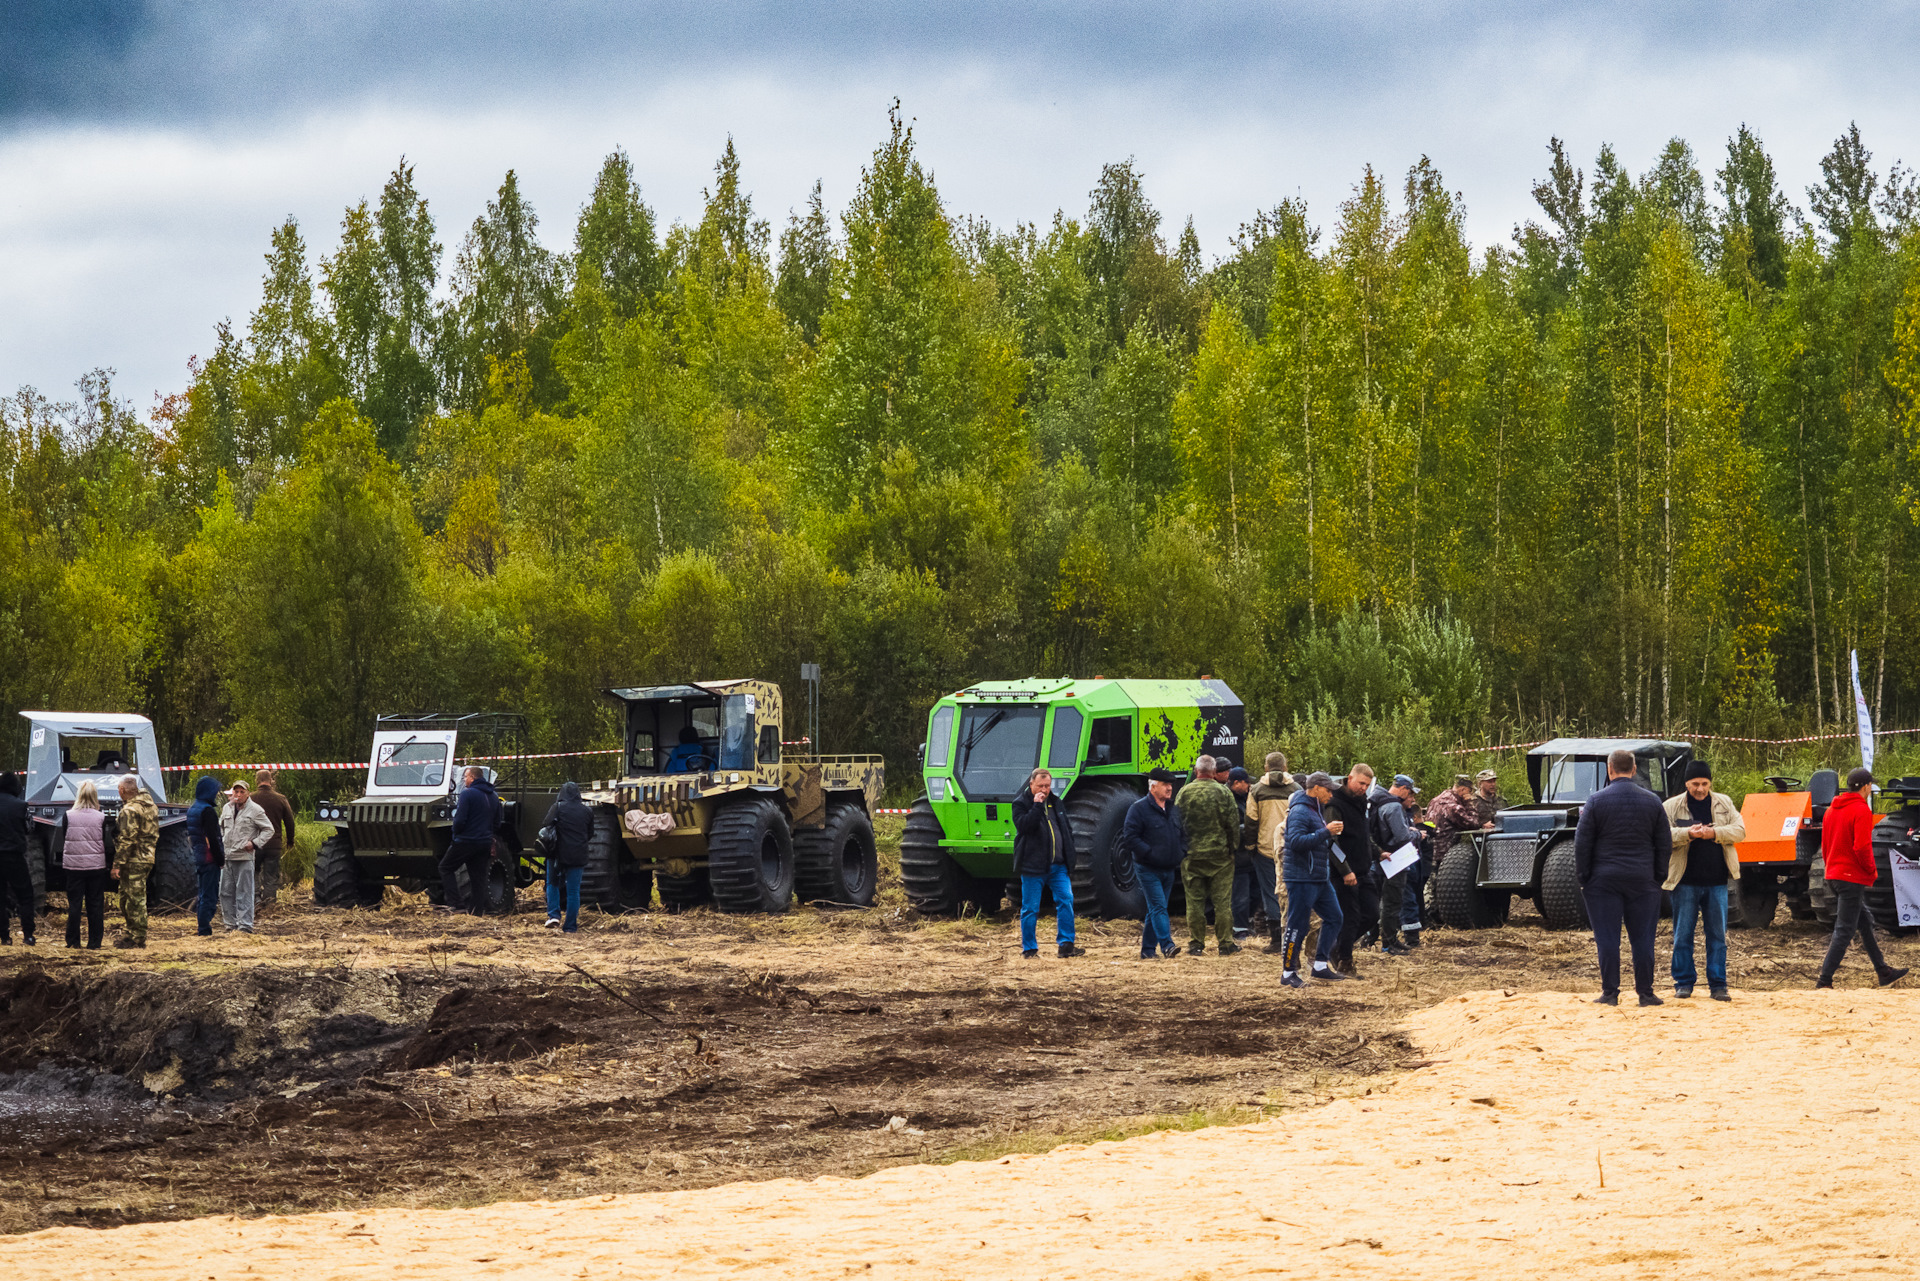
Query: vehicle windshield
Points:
[999, 746]
[87, 754]
[1571, 780]
[411, 764]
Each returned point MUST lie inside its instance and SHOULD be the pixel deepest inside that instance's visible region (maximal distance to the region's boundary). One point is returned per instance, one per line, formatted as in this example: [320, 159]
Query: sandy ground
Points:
[1766, 1137]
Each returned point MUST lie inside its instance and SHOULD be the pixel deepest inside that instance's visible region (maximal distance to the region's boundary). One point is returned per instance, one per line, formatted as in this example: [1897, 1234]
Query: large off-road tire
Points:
[1459, 902]
[680, 893]
[611, 881]
[1753, 899]
[1561, 904]
[936, 885]
[1105, 883]
[337, 879]
[174, 882]
[750, 857]
[837, 862]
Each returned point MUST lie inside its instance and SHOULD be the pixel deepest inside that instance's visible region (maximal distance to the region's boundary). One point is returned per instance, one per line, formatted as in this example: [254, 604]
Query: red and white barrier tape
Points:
[893, 811]
[360, 765]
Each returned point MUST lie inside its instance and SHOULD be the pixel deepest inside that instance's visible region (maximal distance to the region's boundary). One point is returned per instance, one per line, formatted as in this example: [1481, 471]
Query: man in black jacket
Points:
[1043, 856]
[1156, 836]
[16, 881]
[572, 822]
[476, 815]
[1359, 890]
[1620, 851]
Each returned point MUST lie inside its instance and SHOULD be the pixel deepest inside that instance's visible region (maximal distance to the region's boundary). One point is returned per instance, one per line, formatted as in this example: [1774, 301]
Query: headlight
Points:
[936, 789]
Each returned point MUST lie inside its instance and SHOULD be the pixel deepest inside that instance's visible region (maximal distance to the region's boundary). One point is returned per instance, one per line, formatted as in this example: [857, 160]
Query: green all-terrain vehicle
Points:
[401, 825]
[1529, 854]
[711, 805]
[1099, 738]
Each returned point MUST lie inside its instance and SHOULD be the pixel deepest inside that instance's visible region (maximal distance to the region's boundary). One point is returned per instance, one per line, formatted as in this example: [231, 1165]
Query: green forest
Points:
[1646, 467]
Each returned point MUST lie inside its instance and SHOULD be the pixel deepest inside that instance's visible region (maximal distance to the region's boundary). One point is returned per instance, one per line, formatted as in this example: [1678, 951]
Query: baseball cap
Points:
[1238, 775]
[1406, 781]
[1320, 778]
[1486, 774]
[1159, 774]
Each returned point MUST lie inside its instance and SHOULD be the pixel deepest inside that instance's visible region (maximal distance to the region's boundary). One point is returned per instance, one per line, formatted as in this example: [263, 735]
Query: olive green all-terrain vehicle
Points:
[401, 825]
[711, 805]
[1098, 737]
[1529, 854]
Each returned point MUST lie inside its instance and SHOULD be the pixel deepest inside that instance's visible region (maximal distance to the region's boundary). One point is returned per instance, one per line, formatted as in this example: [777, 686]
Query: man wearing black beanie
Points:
[1706, 827]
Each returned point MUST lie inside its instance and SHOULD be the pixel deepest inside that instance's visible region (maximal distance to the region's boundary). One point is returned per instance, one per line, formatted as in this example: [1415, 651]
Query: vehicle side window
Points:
[940, 739]
[1112, 742]
[1064, 751]
[769, 744]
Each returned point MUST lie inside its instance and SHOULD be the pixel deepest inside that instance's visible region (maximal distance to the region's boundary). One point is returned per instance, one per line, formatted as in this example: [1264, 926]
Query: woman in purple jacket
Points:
[85, 856]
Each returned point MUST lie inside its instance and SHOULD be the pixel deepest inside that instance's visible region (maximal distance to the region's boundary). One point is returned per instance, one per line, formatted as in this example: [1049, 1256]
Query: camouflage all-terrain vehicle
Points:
[1529, 854]
[1099, 738]
[66, 750]
[399, 828]
[710, 805]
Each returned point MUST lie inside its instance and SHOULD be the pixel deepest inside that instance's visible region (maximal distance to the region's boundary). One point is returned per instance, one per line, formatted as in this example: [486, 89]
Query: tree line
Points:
[1645, 467]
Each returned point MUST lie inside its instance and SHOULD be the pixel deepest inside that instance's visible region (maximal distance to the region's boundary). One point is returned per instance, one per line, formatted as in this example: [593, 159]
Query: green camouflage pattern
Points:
[1213, 886]
[1212, 817]
[137, 838]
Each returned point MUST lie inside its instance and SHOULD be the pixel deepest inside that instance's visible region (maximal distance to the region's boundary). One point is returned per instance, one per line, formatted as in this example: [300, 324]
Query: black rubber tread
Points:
[837, 861]
[502, 871]
[1561, 904]
[1458, 901]
[1754, 901]
[336, 874]
[679, 893]
[1818, 894]
[610, 881]
[935, 884]
[736, 848]
[1105, 884]
[174, 882]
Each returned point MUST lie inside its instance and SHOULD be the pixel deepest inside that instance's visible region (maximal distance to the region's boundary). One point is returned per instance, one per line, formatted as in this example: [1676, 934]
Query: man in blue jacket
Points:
[1043, 856]
[475, 816]
[1307, 867]
[1157, 837]
[209, 851]
[1620, 850]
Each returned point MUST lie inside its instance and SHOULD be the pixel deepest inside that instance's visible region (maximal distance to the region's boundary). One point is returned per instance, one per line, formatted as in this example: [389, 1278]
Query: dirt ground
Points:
[404, 1057]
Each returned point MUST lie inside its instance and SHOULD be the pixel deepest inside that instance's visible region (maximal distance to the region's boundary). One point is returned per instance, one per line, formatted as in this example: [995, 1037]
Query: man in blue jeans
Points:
[1706, 827]
[1307, 867]
[1043, 855]
[1157, 837]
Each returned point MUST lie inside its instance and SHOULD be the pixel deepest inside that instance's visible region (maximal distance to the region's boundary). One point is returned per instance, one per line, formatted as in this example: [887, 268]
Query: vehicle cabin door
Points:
[1063, 747]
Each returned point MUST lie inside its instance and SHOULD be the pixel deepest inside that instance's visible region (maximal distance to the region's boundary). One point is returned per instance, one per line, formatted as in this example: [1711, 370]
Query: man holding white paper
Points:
[1393, 836]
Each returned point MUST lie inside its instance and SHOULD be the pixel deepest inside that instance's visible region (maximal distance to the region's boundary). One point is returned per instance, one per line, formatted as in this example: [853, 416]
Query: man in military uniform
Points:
[1454, 811]
[1213, 834]
[1487, 800]
[137, 838]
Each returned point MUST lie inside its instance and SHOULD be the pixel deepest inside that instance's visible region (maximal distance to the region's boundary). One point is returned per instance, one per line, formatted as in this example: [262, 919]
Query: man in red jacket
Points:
[1846, 845]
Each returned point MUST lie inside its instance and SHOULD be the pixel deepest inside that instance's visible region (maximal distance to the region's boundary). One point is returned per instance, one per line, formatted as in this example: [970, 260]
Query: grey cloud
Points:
[112, 60]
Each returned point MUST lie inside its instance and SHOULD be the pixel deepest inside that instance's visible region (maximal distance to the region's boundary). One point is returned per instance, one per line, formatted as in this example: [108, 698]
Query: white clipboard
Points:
[1400, 860]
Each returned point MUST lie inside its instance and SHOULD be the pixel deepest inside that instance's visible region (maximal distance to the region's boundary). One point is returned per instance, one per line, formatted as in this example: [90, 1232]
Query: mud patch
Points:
[487, 1027]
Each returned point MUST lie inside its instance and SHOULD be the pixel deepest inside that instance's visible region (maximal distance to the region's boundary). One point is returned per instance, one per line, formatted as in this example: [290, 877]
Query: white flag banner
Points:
[1860, 714]
[1906, 887]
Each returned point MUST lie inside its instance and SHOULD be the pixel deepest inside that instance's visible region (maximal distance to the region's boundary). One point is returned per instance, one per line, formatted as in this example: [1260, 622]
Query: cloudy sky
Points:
[148, 146]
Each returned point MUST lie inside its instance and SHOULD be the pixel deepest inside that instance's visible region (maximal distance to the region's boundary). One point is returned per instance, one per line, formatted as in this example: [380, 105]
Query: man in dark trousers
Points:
[1620, 852]
[1043, 856]
[475, 815]
[1153, 832]
[1359, 890]
[16, 881]
[1846, 846]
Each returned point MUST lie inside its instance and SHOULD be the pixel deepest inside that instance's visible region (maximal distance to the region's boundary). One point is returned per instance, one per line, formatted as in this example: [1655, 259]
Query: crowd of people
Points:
[1354, 853]
[1239, 844]
[95, 850]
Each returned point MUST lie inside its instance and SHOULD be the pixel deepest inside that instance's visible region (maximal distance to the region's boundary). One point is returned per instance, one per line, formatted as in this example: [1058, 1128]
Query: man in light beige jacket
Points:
[1706, 827]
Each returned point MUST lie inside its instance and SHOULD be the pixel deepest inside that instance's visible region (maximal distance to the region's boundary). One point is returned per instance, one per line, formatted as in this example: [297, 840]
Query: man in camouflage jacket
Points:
[137, 838]
[1213, 834]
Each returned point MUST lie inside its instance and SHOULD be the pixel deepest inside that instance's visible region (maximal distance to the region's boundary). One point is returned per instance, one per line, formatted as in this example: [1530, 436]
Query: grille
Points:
[1509, 859]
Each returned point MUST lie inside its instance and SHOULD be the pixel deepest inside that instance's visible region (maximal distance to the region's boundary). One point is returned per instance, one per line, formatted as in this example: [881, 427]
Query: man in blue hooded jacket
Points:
[475, 816]
[209, 852]
[1307, 867]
